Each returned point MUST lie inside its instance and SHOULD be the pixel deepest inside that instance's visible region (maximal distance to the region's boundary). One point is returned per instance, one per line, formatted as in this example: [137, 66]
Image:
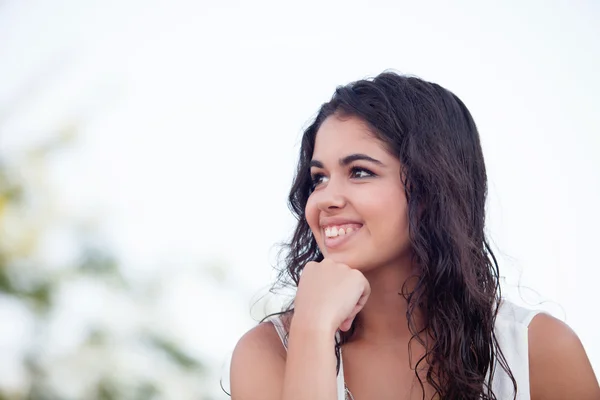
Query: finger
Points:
[345, 326]
[348, 321]
[365, 294]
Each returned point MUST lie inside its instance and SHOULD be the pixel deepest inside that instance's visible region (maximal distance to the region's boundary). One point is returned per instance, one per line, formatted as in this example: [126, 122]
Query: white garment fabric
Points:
[511, 330]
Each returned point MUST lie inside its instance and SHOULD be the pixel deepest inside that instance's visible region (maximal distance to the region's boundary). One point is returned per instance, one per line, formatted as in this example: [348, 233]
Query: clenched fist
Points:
[330, 295]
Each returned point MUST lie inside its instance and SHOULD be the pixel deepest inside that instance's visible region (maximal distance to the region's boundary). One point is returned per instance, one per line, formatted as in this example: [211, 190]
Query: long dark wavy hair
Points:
[432, 133]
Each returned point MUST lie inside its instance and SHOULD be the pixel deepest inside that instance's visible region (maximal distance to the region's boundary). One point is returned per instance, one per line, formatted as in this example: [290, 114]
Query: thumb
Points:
[347, 323]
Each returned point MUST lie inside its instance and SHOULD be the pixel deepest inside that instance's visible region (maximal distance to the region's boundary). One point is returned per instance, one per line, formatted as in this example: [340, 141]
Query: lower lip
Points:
[337, 241]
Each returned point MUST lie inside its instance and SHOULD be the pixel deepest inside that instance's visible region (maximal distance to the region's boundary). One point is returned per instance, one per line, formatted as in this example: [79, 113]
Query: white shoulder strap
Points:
[341, 384]
[517, 314]
[280, 328]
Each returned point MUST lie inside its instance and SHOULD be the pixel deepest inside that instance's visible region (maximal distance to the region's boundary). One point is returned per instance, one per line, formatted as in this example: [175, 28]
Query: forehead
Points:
[340, 136]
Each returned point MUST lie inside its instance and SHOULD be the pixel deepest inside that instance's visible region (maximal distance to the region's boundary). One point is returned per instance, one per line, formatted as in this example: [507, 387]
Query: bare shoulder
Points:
[258, 364]
[558, 365]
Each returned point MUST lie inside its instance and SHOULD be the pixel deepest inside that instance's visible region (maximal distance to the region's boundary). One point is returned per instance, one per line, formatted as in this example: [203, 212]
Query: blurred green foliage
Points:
[26, 213]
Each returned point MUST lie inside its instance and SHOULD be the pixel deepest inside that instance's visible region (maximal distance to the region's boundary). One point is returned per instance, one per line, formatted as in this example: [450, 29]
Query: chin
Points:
[354, 261]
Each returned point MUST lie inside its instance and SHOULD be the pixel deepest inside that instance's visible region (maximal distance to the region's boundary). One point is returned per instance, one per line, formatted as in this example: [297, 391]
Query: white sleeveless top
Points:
[511, 329]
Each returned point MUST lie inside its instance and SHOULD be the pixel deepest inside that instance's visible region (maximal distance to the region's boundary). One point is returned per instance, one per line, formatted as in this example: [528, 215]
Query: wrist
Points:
[313, 325]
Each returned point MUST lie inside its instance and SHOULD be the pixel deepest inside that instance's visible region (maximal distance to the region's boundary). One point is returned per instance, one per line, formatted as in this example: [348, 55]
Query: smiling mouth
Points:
[339, 234]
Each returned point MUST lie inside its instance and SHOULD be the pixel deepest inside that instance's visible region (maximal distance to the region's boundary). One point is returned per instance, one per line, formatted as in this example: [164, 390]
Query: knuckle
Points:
[342, 266]
[356, 273]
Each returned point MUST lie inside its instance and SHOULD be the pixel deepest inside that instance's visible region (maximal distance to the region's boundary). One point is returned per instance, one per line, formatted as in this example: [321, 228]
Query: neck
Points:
[383, 319]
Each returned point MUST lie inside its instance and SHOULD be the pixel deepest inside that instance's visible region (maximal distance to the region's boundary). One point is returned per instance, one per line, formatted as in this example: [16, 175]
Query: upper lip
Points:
[335, 221]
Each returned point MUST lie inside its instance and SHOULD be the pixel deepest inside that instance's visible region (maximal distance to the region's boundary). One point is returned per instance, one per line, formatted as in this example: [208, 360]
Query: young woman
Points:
[397, 288]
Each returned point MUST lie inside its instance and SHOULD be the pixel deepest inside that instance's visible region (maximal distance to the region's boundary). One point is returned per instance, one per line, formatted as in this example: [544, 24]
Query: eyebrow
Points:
[348, 160]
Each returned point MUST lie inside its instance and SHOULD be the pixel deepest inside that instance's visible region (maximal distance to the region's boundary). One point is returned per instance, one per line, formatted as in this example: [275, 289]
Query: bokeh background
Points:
[147, 147]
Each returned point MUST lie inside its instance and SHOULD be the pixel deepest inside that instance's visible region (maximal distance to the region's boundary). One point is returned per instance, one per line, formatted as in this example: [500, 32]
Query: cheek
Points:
[312, 214]
[390, 217]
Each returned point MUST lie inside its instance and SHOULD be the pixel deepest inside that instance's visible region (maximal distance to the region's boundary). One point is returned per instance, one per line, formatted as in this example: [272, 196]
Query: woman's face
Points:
[357, 211]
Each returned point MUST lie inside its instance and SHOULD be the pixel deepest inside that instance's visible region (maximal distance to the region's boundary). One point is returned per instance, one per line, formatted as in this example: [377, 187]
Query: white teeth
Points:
[334, 231]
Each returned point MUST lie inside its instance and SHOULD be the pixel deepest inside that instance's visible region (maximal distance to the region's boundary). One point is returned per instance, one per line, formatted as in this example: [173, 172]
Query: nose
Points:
[331, 197]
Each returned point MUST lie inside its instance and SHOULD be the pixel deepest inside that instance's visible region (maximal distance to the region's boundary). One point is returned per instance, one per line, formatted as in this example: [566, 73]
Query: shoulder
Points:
[261, 338]
[558, 365]
[257, 364]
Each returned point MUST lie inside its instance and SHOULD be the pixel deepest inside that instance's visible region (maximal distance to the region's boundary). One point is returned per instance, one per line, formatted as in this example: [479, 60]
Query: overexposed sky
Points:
[191, 114]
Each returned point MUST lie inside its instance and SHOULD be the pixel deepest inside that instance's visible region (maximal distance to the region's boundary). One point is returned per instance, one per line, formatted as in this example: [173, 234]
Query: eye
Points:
[359, 173]
[317, 179]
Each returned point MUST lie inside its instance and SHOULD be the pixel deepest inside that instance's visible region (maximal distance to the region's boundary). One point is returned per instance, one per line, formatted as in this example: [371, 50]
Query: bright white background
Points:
[191, 113]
